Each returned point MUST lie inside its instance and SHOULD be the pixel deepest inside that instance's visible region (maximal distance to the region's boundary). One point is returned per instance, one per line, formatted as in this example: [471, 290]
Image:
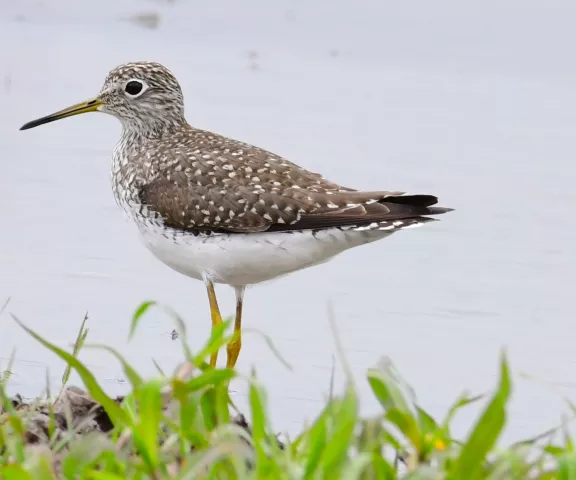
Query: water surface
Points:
[475, 104]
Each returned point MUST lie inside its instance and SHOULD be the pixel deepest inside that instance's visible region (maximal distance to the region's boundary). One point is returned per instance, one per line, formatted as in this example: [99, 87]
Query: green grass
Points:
[180, 427]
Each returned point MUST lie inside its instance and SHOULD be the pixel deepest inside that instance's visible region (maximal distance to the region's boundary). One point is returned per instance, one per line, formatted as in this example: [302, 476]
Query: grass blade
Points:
[257, 398]
[117, 415]
[316, 440]
[216, 341]
[488, 427]
[270, 345]
[386, 390]
[14, 472]
[337, 448]
[147, 430]
[138, 314]
[3, 307]
[407, 424]
[567, 466]
[78, 344]
[133, 377]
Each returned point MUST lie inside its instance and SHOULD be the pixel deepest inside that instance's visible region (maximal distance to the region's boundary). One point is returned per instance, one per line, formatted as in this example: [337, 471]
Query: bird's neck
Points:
[151, 128]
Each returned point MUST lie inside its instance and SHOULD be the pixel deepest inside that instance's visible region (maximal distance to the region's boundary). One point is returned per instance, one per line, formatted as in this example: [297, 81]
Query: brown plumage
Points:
[210, 182]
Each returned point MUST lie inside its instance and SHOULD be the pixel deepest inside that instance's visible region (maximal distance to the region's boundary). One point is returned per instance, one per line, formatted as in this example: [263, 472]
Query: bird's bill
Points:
[91, 105]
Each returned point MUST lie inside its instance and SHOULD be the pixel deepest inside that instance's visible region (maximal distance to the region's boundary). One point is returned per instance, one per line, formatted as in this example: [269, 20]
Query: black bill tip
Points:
[39, 121]
[29, 125]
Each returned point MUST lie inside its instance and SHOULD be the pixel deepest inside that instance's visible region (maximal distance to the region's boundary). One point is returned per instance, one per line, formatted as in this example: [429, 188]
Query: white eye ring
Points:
[132, 85]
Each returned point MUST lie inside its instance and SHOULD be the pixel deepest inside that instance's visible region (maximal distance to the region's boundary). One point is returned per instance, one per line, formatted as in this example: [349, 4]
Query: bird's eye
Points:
[133, 87]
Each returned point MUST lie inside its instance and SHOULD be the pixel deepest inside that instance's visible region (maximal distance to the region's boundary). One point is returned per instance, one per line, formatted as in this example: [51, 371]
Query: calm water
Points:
[474, 104]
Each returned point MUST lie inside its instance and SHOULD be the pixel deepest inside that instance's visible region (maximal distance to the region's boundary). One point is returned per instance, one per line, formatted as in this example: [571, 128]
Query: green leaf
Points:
[406, 423]
[6, 374]
[371, 435]
[133, 377]
[16, 423]
[3, 307]
[337, 447]
[554, 450]
[104, 476]
[316, 439]
[487, 430]
[140, 311]
[160, 371]
[114, 462]
[461, 402]
[381, 469]
[222, 400]
[430, 435]
[271, 346]
[14, 472]
[78, 344]
[393, 441]
[116, 414]
[259, 427]
[188, 409]
[386, 390]
[551, 475]
[567, 466]
[147, 431]
[208, 406]
[216, 341]
[209, 378]
[426, 422]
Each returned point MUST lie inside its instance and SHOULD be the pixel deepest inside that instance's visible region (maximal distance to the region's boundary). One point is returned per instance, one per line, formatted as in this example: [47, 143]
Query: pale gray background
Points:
[474, 103]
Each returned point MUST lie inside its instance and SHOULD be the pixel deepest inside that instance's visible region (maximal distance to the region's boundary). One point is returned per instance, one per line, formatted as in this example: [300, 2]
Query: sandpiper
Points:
[223, 211]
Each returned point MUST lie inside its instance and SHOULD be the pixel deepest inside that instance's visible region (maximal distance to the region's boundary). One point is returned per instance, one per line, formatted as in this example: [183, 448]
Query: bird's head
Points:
[144, 96]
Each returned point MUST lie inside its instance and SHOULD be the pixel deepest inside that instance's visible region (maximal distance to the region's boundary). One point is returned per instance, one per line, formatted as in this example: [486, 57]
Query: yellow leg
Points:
[235, 344]
[215, 314]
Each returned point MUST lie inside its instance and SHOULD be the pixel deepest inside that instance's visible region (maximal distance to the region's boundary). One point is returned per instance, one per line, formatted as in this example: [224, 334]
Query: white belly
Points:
[240, 259]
